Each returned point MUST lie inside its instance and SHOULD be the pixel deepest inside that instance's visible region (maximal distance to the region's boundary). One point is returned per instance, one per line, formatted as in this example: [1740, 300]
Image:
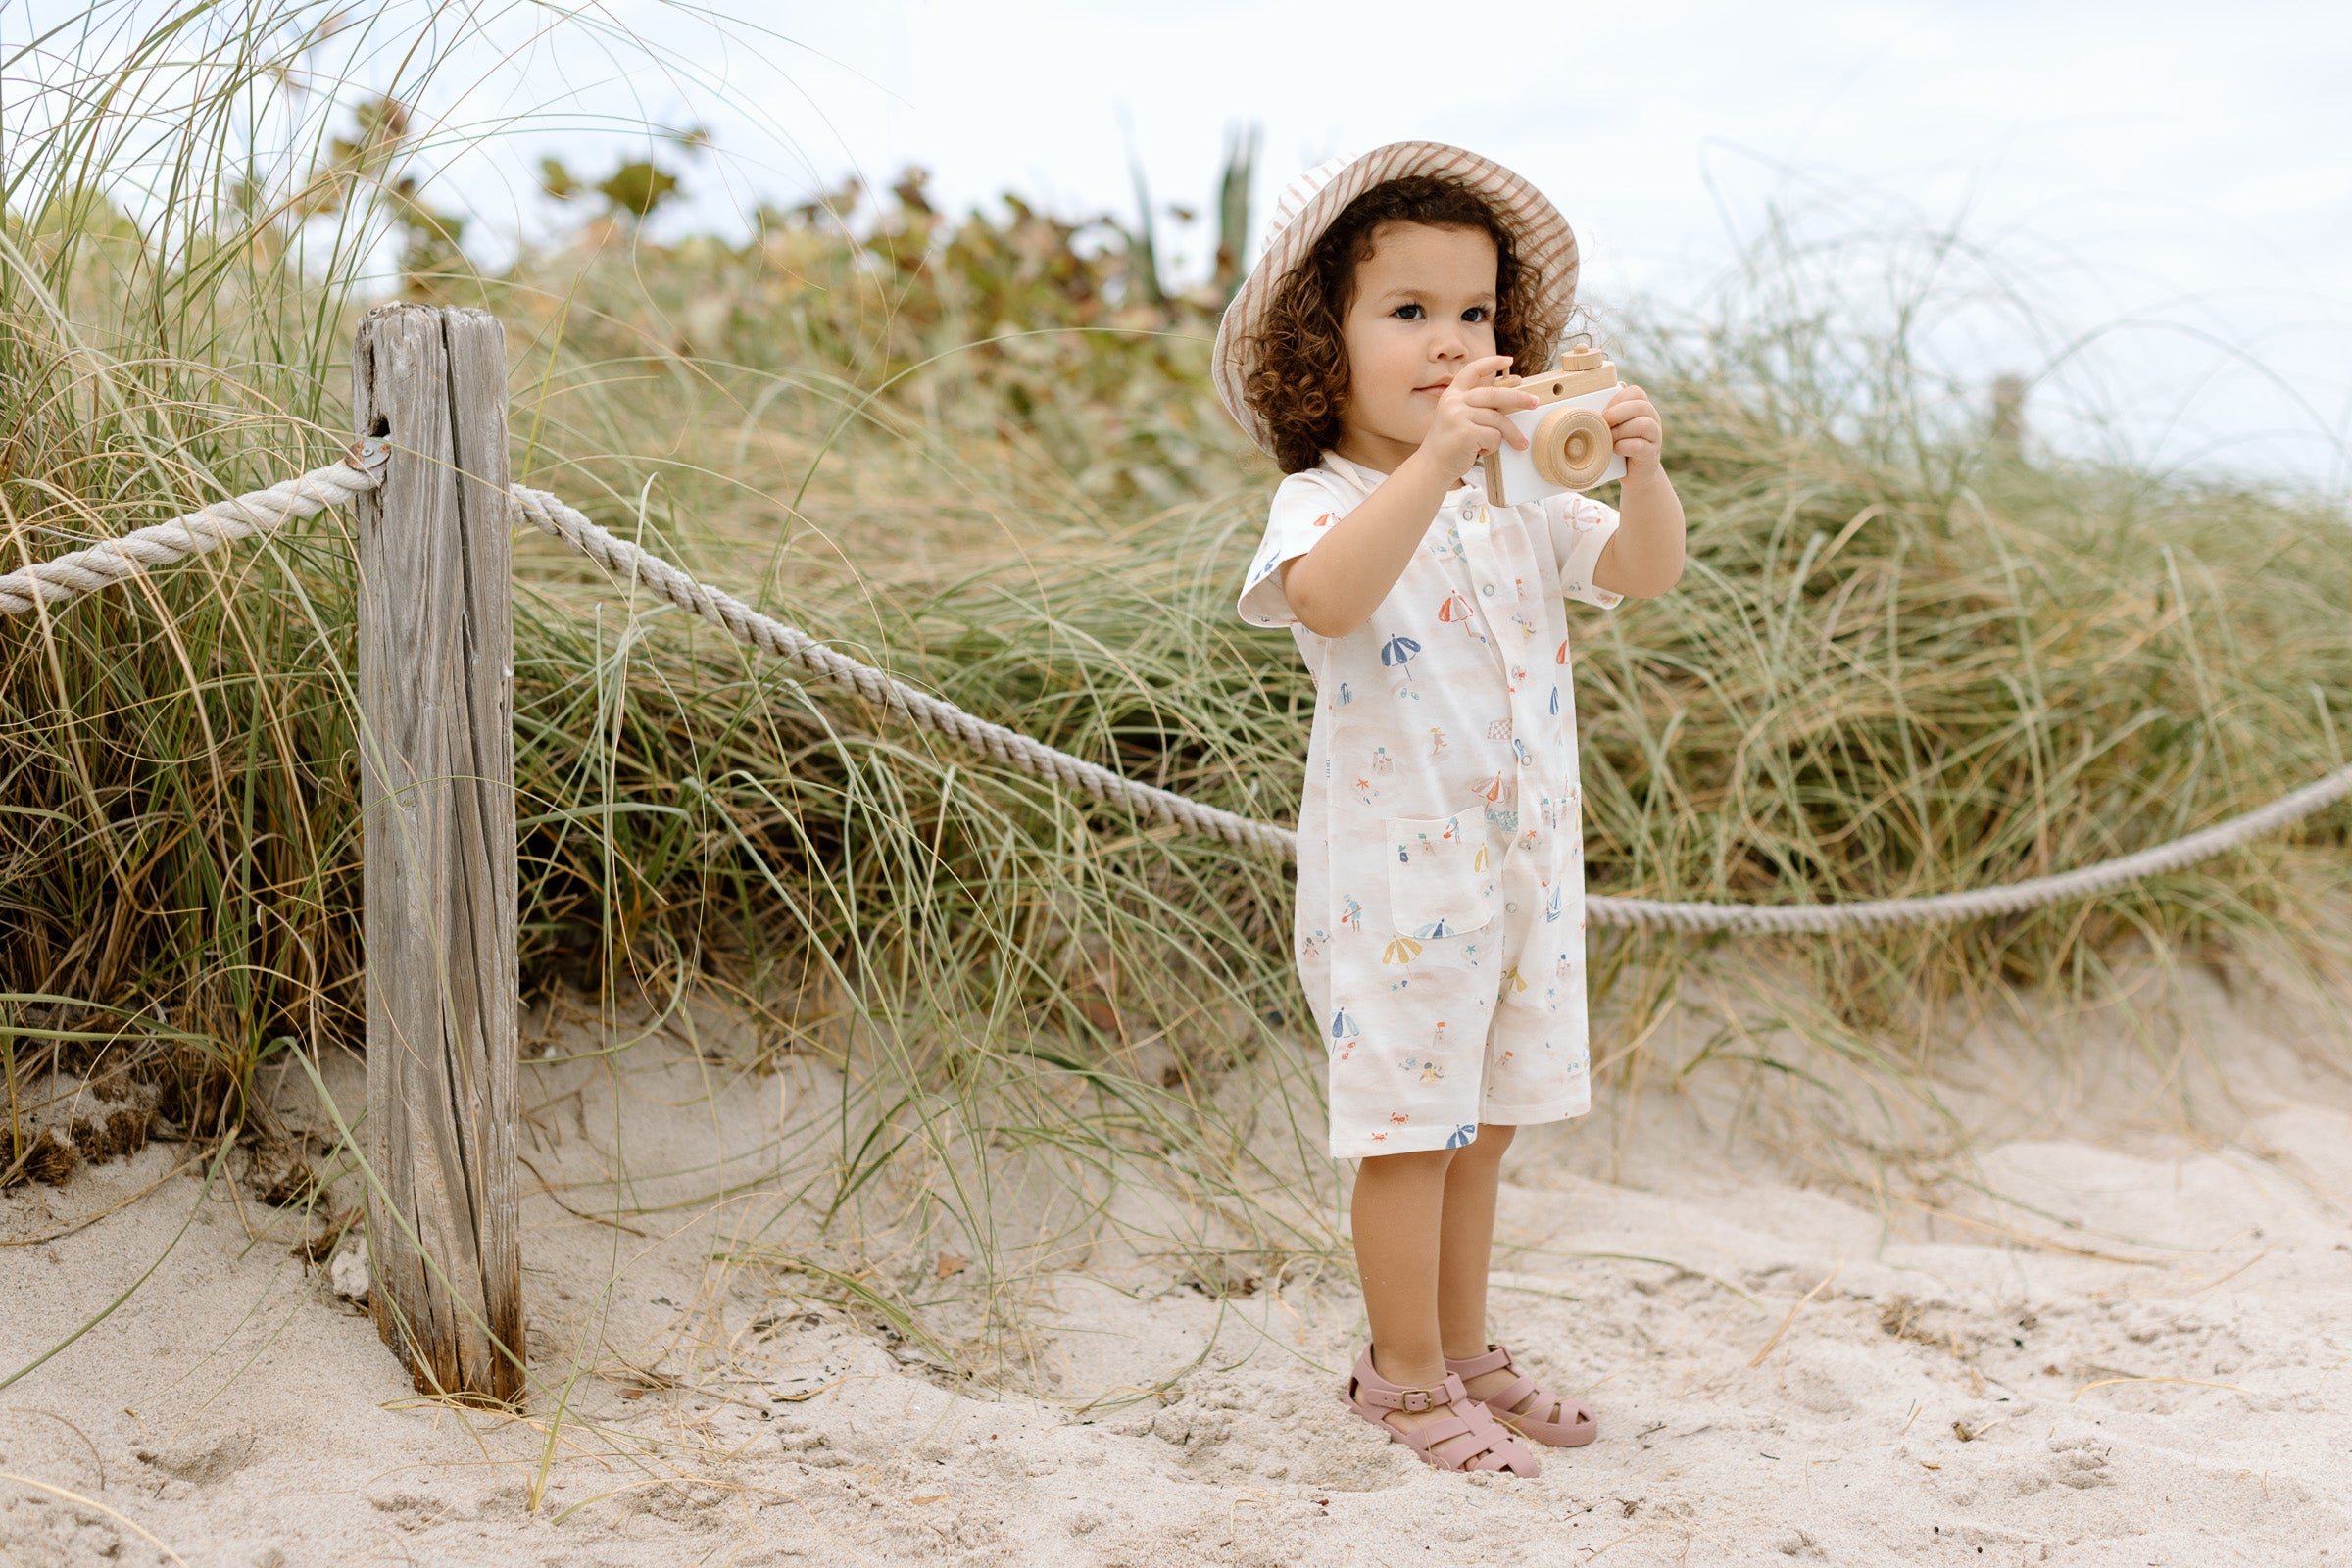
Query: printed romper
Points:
[1440, 931]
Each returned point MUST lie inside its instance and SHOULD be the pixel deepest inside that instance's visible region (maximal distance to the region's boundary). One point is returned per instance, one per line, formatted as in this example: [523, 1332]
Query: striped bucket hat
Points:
[1309, 203]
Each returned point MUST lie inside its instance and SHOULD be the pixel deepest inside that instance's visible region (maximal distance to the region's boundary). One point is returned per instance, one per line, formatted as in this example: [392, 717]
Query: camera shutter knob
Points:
[1581, 352]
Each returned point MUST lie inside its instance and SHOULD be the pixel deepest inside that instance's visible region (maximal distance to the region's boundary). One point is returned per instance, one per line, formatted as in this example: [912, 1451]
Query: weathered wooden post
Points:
[437, 794]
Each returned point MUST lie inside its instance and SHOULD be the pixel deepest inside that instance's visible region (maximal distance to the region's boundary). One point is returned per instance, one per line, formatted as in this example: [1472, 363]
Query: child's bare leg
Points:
[1467, 1248]
[1399, 1204]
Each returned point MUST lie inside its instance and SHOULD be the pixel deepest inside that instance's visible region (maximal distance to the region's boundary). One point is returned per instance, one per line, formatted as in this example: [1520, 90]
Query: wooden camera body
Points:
[1569, 446]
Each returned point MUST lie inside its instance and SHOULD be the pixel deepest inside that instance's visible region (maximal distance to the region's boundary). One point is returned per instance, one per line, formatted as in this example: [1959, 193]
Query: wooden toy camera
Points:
[1569, 446]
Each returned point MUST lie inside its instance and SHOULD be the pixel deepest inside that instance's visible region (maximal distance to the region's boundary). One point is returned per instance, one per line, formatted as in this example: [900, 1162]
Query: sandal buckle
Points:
[1415, 1401]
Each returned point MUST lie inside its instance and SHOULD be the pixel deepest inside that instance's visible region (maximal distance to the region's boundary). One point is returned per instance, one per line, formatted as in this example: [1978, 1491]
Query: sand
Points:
[2135, 1354]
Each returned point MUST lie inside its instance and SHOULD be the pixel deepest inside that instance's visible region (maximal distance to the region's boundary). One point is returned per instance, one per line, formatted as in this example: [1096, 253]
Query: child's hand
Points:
[1640, 435]
[1470, 420]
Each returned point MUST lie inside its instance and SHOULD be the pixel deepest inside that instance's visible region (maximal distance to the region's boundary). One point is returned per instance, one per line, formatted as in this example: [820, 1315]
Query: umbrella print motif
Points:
[1397, 654]
[1344, 1034]
[1457, 611]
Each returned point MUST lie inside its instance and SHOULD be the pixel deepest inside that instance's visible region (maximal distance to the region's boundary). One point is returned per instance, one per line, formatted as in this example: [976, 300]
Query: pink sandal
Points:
[1490, 1447]
[1526, 1409]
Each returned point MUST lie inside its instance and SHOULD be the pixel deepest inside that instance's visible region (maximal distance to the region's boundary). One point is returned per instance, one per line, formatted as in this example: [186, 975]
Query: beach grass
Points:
[980, 451]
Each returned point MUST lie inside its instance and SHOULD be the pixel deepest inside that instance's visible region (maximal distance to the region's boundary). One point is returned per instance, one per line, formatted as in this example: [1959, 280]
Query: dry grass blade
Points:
[979, 452]
[95, 1506]
[2109, 1383]
[1827, 1280]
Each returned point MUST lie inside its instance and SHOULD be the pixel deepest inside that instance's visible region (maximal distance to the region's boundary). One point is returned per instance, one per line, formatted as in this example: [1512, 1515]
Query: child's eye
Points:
[1476, 313]
[1409, 312]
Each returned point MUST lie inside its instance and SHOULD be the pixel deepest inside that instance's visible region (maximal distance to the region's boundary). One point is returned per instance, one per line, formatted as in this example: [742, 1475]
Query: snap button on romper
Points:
[1440, 927]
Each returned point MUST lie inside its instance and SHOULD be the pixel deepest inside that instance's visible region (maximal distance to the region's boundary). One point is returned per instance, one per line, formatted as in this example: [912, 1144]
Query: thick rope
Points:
[103, 565]
[2014, 898]
[630, 563]
[749, 627]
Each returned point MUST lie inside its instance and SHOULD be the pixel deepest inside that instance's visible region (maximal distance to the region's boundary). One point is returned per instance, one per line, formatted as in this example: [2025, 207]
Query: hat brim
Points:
[1543, 244]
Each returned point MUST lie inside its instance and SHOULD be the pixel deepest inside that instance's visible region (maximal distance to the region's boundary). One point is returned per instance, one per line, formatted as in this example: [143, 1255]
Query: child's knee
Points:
[1492, 1140]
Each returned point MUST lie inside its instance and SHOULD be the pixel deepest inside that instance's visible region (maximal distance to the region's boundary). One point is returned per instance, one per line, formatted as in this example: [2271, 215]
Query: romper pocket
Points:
[1441, 882]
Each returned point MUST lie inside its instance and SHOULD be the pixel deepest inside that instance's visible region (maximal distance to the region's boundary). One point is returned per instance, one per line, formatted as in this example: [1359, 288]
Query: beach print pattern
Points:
[1441, 925]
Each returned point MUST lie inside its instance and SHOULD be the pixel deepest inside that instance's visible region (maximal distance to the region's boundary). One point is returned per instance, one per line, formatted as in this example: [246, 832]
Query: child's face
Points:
[1423, 307]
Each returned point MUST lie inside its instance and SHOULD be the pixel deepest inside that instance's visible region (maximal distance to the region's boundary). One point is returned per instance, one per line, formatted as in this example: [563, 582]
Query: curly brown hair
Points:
[1298, 379]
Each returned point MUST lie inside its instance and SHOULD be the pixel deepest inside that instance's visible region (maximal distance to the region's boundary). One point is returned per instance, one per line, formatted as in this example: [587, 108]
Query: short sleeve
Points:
[1305, 509]
[1581, 528]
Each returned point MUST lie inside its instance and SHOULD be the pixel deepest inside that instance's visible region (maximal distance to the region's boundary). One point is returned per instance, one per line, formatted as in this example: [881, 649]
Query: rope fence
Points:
[432, 535]
[66, 577]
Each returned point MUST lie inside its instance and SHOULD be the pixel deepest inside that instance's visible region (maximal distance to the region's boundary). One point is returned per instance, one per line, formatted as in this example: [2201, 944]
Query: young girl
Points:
[1441, 877]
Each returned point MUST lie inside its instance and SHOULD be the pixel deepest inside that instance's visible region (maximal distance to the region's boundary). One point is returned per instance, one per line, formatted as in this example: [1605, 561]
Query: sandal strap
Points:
[1374, 1390]
[1520, 1390]
[1516, 1393]
[1481, 1440]
[1496, 1360]
[1437, 1432]
[1492, 1446]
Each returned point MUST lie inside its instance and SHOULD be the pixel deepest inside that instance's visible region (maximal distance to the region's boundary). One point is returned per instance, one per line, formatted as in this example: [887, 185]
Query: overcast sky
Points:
[2173, 179]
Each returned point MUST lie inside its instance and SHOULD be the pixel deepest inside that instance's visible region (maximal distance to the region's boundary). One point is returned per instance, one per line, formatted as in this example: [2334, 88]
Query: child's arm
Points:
[1645, 556]
[1335, 587]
